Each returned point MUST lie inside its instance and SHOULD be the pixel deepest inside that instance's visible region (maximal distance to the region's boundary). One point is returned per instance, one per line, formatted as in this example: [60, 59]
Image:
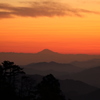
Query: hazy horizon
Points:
[45, 56]
[53, 51]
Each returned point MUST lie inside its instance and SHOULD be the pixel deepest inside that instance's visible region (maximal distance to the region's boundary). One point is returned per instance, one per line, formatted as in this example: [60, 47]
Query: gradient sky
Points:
[64, 26]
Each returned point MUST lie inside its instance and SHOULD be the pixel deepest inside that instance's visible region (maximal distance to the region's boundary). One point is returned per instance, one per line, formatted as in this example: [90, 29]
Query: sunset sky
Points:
[64, 26]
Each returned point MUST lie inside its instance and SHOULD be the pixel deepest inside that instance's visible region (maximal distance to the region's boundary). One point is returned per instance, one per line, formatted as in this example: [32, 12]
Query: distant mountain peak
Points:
[46, 51]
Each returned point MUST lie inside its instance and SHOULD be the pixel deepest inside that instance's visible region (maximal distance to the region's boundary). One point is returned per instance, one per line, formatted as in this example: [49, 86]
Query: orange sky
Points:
[62, 26]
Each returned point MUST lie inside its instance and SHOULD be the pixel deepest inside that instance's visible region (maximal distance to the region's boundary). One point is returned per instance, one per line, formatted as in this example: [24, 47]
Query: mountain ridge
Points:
[45, 55]
[89, 76]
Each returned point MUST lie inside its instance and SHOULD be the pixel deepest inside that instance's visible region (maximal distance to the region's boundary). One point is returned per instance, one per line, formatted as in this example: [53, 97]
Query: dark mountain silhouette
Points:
[95, 95]
[45, 56]
[45, 68]
[87, 64]
[70, 88]
[15, 84]
[47, 51]
[90, 76]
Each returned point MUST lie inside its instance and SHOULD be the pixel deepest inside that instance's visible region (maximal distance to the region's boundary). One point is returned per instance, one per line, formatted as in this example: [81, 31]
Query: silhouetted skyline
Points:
[46, 55]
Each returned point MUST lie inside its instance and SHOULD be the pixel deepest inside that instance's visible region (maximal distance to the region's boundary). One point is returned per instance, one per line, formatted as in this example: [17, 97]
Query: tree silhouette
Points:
[49, 89]
[8, 73]
[27, 88]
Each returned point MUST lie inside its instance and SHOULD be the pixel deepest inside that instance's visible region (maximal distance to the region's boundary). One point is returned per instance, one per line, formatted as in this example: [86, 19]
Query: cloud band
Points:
[40, 9]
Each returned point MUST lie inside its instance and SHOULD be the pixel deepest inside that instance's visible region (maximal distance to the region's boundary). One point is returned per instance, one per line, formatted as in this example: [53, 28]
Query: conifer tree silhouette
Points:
[8, 73]
[49, 89]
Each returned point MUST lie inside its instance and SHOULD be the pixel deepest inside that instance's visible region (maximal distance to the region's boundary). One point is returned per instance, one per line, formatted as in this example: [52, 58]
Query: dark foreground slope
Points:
[90, 76]
[95, 95]
[71, 88]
